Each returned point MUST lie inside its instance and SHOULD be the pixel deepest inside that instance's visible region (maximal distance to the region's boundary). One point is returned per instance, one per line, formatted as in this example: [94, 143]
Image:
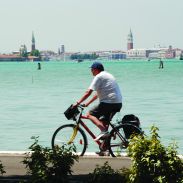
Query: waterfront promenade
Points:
[15, 169]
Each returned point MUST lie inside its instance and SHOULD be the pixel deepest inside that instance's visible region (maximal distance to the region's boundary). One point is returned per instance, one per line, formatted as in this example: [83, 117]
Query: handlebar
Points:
[81, 106]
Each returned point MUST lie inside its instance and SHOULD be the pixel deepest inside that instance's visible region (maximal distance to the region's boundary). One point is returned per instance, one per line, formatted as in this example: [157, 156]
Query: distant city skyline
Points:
[85, 25]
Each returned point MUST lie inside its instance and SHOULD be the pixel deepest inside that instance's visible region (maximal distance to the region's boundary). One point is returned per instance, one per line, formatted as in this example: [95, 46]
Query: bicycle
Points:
[115, 143]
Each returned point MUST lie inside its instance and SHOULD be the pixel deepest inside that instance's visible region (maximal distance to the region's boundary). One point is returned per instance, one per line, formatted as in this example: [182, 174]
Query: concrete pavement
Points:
[13, 165]
[16, 171]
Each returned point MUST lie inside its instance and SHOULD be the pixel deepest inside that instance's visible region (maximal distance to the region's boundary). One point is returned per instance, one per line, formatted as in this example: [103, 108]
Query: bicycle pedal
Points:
[114, 137]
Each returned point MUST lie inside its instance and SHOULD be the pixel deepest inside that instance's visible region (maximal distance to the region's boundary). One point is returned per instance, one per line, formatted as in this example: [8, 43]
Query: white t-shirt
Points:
[106, 87]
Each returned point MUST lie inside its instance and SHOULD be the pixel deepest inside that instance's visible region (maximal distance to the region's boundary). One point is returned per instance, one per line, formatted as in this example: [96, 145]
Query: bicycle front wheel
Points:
[65, 135]
[118, 140]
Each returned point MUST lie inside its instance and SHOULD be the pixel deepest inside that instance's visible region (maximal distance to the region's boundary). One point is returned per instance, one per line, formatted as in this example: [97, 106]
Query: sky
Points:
[90, 25]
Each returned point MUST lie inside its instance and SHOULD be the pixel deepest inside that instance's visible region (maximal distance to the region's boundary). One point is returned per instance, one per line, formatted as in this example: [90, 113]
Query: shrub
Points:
[1, 168]
[152, 162]
[105, 174]
[47, 165]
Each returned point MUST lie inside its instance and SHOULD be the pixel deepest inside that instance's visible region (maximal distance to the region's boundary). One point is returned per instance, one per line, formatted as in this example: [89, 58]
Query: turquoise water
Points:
[33, 101]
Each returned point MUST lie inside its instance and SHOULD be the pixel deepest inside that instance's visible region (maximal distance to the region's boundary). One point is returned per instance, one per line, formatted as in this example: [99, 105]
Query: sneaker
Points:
[102, 135]
[103, 153]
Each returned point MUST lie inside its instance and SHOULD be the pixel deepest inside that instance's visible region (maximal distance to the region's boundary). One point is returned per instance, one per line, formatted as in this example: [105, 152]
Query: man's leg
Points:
[102, 126]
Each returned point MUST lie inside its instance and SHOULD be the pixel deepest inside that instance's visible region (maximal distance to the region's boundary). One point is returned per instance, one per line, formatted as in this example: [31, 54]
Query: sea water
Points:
[32, 101]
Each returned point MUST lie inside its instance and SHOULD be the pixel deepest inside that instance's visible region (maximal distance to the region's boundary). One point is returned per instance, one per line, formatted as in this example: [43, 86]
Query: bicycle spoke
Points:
[118, 142]
[66, 134]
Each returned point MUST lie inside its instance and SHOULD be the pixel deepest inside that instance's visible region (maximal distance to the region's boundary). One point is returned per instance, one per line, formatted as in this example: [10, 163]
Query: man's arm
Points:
[90, 101]
[85, 96]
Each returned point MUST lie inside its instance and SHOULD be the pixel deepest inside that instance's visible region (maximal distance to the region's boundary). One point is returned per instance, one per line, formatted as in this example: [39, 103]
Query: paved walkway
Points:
[14, 167]
[16, 171]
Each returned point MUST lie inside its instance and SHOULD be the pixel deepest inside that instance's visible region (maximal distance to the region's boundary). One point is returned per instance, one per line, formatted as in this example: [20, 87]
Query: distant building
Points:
[16, 52]
[118, 55]
[154, 55]
[62, 50]
[67, 56]
[170, 53]
[59, 53]
[167, 53]
[130, 41]
[11, 58]
[103, 54]
[109, 55]
[141, 53]
[136, 53]
[178, 52]
[33, 58]
[23, 51]
[47, 54]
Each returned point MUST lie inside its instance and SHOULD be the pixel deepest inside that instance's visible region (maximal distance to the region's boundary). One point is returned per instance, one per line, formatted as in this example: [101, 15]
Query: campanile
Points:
[33, 42]
[130, 41]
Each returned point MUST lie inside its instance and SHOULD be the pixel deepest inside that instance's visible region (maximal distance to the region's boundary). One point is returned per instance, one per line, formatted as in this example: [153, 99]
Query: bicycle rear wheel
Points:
[117, 141]
[64, 134]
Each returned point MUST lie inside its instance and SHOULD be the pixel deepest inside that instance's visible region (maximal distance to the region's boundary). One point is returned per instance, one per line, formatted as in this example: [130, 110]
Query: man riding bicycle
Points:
[110, 98]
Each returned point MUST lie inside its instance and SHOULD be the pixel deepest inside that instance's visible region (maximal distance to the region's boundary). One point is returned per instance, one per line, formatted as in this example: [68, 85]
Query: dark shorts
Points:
[105, 111]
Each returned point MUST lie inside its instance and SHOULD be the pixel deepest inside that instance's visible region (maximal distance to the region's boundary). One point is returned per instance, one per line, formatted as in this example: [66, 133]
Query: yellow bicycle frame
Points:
[75, 131]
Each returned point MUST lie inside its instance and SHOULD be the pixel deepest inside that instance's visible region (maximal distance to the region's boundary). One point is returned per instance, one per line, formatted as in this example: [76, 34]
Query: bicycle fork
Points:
[75, 130]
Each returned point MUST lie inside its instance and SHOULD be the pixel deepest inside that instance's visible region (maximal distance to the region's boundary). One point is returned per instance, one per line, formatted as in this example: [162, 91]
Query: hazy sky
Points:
[88, 25]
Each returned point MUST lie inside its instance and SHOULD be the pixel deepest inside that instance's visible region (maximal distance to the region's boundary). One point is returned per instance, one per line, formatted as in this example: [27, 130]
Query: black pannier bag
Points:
[132, 121]
[71, 112]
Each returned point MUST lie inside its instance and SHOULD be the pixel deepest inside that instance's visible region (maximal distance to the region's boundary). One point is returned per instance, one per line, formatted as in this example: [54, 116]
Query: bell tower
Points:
[130, 41]
[33, 42]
